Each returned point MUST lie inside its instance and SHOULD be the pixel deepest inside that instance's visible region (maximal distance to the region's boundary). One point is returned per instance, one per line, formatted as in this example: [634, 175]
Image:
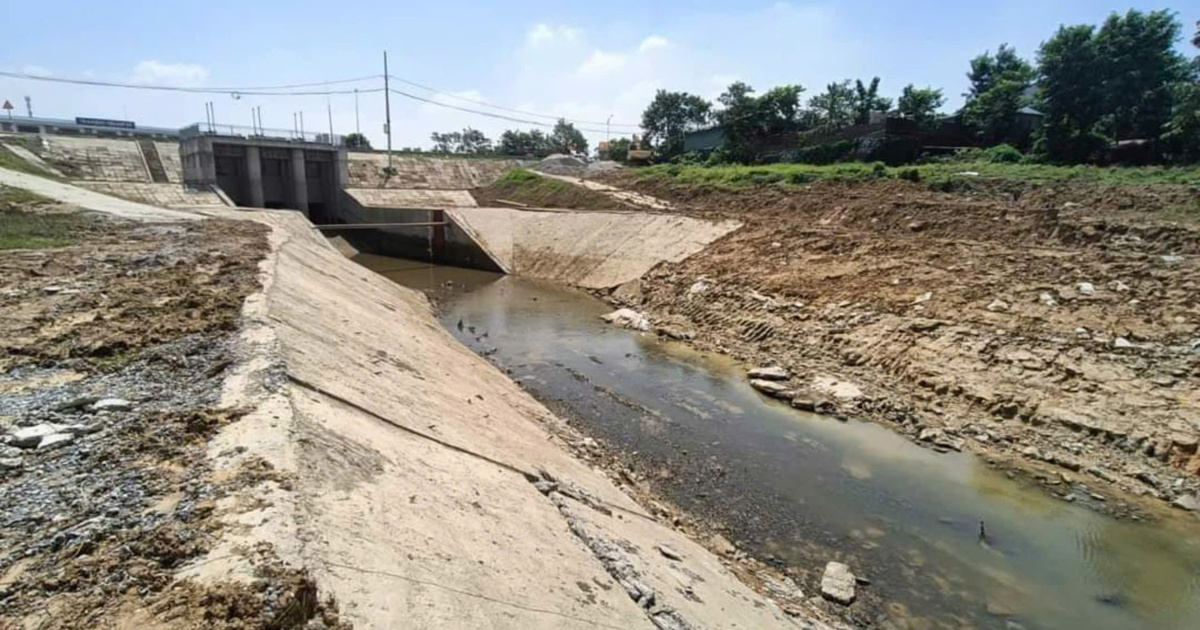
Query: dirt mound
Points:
[1057, 325]
[559, 164]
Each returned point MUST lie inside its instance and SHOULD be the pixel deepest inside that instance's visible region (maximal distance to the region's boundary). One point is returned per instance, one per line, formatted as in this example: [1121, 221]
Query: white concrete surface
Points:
[161, 195]
[408, 454]
[31, 157]
[102, 159]
[413, 171]
[92, 200]
[586, 248]
[411, 198]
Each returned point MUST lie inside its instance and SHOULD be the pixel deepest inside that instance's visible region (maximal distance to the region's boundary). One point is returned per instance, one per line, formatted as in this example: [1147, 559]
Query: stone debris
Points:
[669, 553]
[1189, 502]
[112, 404]
[1121, 343]
[627, 318]
[998, 306]
[838, 583]
[773, 373]
[773, 389]
[559, 164]
[1087, 288]
[55, 440]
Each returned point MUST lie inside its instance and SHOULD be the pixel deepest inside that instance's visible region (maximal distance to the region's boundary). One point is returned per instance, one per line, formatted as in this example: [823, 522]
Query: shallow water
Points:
[807, 489]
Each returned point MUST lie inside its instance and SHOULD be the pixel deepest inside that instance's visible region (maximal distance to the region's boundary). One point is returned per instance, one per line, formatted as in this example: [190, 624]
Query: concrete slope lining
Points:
[411, 198]
[449, 173]
[589, 249]
[427, 489]
[92, 200]
[32, 158]
[101, 159]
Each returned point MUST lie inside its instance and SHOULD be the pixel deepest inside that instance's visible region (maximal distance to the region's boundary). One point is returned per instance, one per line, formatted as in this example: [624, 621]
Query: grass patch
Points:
[20, 229]
[529, 188]
[940, 176]
[10, 161]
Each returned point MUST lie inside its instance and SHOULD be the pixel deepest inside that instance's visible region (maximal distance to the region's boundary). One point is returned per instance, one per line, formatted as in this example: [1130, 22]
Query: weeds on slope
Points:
[939, 176]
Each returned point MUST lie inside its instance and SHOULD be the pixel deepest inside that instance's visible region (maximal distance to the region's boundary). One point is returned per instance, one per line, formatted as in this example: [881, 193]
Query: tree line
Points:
[563, 138]
[1094, 87]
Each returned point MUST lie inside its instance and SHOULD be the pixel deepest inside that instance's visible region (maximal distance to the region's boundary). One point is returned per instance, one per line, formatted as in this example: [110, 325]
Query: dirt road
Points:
[1055, 329]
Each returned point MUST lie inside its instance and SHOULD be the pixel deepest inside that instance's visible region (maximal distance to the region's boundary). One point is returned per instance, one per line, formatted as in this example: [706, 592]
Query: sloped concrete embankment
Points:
[593, 250]
[422, 487]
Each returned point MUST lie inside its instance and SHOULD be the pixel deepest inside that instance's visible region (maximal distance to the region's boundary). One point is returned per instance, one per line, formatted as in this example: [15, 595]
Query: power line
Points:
[250, 91]
[481, 113]
[508, 109]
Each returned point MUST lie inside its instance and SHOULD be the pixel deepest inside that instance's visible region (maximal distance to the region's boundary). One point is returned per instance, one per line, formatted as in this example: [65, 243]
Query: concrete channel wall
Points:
[594, 250]
[411, 464]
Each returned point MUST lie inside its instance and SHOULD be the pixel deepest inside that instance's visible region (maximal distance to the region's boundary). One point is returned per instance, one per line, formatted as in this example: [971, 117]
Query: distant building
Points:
[703, 141]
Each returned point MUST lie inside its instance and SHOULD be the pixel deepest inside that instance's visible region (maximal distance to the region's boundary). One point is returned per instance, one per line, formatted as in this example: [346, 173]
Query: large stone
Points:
[629, 293]
[112, 404]
[31, 437]
[1187, 502]
[837, 584]
[774, 389]
[56, 440]
[773, 373]
[627, 318]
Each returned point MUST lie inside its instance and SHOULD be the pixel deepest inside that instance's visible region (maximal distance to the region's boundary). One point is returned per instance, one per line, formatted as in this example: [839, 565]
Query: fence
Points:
[261, 133]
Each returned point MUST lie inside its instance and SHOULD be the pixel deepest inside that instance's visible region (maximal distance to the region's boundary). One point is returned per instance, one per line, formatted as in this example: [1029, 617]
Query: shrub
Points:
[1003, 154]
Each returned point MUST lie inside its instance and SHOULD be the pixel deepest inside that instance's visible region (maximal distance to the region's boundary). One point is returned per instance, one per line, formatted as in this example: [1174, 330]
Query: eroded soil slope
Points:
[114, 350]
[1058, 326]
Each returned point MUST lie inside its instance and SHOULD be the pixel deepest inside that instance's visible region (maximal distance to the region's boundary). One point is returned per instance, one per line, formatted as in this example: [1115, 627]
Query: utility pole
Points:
[261, 130]
[329, 108]
[302, 124]
[606, 132]
[357, 129]
[29, 106]
[295, 125]
[387, 106]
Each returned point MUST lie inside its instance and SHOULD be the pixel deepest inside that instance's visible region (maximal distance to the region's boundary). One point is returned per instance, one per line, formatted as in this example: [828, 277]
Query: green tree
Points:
[524, 143]
[999, 88]
[565, 138]
[835, 107]
[1140, 69]
[468, 141]
[739, 109]
[356, 141]
[867, 99]
[669, 116]
[920, 104]
[1119, 82]
[1182, 136]
[1070, 81]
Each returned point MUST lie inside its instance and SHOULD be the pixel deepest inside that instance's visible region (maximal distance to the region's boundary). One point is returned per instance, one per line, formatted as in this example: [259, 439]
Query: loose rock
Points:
[627, 318]
[774, 389]
[773, 373]
[837, 584]
[112, 404]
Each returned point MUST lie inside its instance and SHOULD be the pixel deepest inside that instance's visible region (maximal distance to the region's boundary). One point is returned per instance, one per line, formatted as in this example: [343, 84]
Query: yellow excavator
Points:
[640, 153]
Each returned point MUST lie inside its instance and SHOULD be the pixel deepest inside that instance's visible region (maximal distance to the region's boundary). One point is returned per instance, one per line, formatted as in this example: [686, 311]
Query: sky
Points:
[590, 62]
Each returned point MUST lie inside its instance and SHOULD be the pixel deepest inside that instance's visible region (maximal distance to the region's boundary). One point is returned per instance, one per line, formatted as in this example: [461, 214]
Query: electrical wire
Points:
[508, 109]
[488, 114]
[249, 91]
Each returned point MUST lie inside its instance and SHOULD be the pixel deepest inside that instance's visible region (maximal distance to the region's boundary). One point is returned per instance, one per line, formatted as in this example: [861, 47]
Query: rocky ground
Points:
[1054, 329]
[114, 352]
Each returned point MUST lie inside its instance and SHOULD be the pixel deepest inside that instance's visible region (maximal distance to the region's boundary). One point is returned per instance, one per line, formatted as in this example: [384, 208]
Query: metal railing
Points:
[262, 133]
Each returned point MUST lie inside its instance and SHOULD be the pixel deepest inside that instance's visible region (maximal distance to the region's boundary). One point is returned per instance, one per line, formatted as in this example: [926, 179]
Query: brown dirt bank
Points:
[1055, 326]
[117, 346]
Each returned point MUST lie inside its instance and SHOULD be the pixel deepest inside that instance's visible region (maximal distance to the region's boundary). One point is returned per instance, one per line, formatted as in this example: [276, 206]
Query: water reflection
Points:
[810, 488]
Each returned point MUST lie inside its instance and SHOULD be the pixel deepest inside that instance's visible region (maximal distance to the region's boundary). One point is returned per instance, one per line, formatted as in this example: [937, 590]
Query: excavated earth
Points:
[117, 346]
[1054, 329]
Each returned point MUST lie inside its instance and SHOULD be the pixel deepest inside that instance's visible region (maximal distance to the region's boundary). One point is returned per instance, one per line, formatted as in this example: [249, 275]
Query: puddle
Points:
[808, 489]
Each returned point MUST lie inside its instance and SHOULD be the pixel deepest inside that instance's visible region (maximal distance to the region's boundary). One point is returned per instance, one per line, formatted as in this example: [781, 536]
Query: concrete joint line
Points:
[598, 624]
[569, 489]
[529, 476]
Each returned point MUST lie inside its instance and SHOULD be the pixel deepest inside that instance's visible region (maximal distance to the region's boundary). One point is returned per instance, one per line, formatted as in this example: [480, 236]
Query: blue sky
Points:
[580, 60]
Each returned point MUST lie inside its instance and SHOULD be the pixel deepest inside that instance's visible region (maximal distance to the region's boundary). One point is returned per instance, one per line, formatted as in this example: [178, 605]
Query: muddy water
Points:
[803, 489]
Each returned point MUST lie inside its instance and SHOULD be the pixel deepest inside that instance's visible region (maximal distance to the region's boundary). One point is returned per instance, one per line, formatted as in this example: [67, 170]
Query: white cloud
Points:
[600, 63]
[36, 69]
[543, 33]
[653, 42]
[152, 72]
